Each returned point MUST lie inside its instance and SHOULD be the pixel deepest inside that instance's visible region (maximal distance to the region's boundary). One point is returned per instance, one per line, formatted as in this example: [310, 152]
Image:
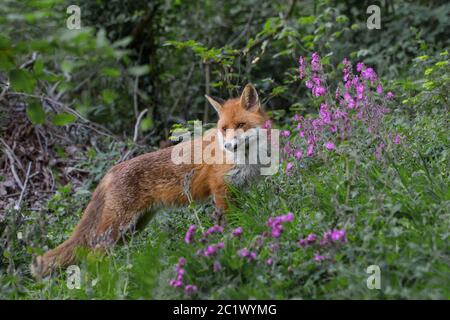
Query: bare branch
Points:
[136, 126]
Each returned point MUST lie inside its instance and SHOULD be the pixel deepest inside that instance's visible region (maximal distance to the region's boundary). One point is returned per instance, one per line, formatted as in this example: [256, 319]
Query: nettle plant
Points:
[358, 104]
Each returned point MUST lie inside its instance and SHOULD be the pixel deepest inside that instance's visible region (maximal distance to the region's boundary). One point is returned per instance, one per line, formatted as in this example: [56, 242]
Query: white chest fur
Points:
[243, 173]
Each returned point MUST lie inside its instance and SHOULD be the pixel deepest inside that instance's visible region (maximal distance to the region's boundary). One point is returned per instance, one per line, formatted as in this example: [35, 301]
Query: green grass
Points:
[396, 213]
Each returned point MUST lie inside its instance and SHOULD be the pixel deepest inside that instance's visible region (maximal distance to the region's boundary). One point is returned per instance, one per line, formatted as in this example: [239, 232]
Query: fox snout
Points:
[232, 140]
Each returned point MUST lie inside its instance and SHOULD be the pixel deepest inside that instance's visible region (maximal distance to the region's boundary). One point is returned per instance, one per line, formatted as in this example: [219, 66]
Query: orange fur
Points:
[131, 187]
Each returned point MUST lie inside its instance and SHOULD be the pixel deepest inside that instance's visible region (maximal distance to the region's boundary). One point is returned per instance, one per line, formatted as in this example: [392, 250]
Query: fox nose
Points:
[230, 146]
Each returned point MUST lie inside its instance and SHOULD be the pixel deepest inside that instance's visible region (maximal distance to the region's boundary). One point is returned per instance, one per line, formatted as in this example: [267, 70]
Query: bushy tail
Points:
[64, 254]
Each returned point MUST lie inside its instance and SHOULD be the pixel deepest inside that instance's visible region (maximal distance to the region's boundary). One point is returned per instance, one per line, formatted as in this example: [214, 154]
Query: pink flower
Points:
[214, 229]
[243, 253]
[310, 151]
[369, 74]
[315, 62]
[298, 154]
[190, 289]
[324, 113]
[389, 95]
[175, 283]
[190, 234]
[319, 91]
[212, 249]
[379, 89]
[319, 258]
[178, 281]
[289, 167]
[267, 124]
[359, 66]
[339, 235]
[269, 261]
[275, 223]
[311, 238]
[329, 145]
[237, 232]
[249, 255]
[301, 68]
[397, 139]
[289, 217]
[285, 133]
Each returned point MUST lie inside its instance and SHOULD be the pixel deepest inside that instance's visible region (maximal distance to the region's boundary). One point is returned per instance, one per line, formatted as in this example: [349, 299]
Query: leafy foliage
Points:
[153, 62]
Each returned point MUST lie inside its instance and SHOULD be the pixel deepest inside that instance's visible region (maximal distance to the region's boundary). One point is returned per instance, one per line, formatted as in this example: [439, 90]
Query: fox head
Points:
[238, 118]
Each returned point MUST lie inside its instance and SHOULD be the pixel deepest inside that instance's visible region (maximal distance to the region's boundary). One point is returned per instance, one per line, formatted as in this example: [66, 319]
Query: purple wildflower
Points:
[319, 258]
[330, 145]
[190, 234]
[289, 167]
[190, 289]
[389, 95]
[285, 133]
[237, 232]
[311, 238]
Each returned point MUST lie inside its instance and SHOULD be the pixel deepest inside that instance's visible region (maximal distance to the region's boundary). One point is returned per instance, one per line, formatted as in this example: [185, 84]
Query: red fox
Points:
[130, 188]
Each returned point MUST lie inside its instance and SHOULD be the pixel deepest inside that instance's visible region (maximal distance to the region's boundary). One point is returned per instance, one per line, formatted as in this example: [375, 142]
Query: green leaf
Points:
[108, 96]
[146, 124]
[5, 42]
[307, 20]
[62, 119]
[35, 113]
[139, 70]
[441, 64]
[38, 67]
[6, 60]
[67, 66]
[110, 72]
[22, 81]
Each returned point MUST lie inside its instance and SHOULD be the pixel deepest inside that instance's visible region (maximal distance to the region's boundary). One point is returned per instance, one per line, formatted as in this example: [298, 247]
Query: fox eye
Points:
[240, 125]
[224, 128]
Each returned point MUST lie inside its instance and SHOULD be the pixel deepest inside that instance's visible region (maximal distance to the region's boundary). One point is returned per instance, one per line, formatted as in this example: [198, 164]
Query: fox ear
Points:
[215, 102]
[249, 98]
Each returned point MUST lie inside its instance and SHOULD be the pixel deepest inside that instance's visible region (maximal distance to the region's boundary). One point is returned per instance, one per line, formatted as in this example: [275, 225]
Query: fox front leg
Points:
[220, 205]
